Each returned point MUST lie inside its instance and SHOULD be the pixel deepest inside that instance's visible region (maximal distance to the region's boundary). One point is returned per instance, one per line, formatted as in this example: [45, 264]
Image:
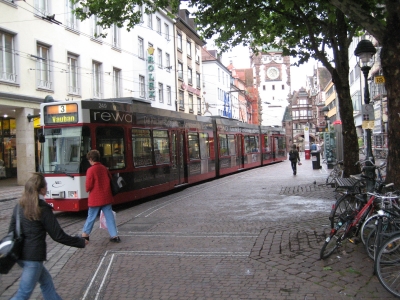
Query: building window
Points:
[169, 95]
[140, 48]
[283, 87]
[189, 76]
[181, 100]
[96, 29]
[158, 25]
[197, 54]
[97, 78]
[189, 48]
[166, 28]
[168, 62]
[263, 87]
[190, 102]
[273, 87]
[41, 7]
[141, 86]
[71, 20]
[141, 11]
[198, 106]
[198, 80]
[180, 70]
[43, 67]
[73, 78]
[117, 83]
[160, 92]
[179, 41]
[115, 36]
[7, 58]
[219, 75]
[150, 21]
[159, 52]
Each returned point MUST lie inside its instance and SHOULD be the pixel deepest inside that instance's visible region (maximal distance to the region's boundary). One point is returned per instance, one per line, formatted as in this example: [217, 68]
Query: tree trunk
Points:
[390, 59]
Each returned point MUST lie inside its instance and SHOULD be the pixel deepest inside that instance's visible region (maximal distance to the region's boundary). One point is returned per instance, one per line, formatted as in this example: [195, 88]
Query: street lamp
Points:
[365, 52]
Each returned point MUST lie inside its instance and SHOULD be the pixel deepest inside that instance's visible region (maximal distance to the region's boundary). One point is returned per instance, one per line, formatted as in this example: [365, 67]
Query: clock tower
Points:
[272, 78]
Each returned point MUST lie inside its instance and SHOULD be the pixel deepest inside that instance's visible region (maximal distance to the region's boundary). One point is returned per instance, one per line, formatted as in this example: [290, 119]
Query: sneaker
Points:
[115, 239]
[294, 173]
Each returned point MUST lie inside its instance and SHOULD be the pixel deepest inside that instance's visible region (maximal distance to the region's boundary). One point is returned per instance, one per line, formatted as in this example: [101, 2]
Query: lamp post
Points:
[365, 52]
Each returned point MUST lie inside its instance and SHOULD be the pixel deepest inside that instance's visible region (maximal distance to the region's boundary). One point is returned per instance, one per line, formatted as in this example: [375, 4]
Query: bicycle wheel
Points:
[387, 265]
[333, 241]
[345, 205]
[371, 244]
[367, 227]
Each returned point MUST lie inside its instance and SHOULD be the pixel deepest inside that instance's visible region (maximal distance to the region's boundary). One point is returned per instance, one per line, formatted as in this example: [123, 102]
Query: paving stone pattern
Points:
[253, 235]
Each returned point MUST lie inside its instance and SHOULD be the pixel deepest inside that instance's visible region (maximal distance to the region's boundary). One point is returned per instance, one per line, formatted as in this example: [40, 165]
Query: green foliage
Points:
[122, 12]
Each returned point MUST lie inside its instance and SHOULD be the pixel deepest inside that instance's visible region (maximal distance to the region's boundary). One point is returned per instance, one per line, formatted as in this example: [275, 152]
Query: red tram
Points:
[152, 150]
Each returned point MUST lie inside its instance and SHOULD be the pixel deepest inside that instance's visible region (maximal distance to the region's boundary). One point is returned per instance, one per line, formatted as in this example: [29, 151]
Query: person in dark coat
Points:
[294, 158]
[98, 185]
[37, 219]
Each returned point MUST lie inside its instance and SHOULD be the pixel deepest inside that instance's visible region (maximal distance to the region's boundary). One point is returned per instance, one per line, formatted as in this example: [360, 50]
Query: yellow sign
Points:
[368, 124]
[379, 79]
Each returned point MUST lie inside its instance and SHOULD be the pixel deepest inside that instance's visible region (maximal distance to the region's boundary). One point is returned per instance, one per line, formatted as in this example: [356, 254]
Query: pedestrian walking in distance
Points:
[294, 158]
[98, 186]
[37, 219]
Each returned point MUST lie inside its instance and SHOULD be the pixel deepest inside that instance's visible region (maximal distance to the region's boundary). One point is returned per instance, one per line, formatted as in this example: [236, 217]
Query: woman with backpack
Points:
[294, 158]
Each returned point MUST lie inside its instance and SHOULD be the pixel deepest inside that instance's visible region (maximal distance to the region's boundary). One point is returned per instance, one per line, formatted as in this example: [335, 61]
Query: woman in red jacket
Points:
[100, 196]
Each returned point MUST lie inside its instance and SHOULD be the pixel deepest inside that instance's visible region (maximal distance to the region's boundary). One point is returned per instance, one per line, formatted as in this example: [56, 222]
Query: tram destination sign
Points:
[61, 114]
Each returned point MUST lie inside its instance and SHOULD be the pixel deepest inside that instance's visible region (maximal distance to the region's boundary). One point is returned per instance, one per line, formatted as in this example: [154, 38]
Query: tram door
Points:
[178, 164]
[240, 150]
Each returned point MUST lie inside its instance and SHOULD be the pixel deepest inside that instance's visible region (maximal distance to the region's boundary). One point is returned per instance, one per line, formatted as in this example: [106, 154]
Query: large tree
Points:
[381, 18]
[305, 29]
[301, 29]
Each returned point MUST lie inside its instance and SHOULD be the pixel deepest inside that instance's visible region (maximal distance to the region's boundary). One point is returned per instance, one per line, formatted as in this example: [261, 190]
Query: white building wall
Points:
[216, 84]
[28, 29]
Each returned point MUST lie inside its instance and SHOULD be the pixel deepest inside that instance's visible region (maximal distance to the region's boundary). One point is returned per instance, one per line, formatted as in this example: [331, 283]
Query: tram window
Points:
[110, 143]
[141, 147]
[232, 144]
[161, 147]
[204, 145]
[194, 149]
[223, 144]
[62, 150]
[266, 145]
[251, 144]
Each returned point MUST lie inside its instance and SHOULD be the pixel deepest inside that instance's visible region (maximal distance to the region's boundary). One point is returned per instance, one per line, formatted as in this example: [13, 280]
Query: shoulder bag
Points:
[11, 246]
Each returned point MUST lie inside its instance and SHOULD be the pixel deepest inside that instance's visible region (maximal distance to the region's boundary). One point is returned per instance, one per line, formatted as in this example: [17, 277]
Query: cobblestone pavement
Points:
[252, 235]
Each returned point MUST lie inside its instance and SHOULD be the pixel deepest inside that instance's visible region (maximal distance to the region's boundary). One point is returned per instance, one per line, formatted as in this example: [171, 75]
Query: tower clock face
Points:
[273, 73]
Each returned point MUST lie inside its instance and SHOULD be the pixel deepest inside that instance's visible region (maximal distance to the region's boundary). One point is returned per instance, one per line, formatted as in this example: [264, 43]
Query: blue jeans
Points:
[33, 272]
[93, 212]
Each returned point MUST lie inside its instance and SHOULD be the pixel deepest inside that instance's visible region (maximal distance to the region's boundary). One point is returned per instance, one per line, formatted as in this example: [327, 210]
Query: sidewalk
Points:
[252, 235]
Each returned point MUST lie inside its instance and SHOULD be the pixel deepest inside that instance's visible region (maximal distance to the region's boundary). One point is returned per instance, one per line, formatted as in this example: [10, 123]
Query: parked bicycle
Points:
[347, 226]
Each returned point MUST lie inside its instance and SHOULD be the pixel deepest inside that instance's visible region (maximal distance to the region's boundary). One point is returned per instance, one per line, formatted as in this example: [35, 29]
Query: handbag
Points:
[117, 183]
[11, 246]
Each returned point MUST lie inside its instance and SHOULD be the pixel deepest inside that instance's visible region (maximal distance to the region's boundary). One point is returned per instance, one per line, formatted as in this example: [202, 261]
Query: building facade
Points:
[272, 78]
[45, 50]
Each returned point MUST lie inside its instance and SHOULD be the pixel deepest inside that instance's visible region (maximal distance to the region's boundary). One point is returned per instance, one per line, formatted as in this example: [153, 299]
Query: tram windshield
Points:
[65, 149]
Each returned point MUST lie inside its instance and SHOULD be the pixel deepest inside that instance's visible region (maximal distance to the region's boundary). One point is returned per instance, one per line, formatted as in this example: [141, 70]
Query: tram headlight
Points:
[72, 194]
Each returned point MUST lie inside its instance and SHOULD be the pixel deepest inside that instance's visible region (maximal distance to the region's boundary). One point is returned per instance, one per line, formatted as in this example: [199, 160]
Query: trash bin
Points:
[316, 160]
[307, 154]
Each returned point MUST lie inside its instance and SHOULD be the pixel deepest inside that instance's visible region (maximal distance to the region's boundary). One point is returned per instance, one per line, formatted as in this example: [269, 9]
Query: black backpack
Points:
[292, 155]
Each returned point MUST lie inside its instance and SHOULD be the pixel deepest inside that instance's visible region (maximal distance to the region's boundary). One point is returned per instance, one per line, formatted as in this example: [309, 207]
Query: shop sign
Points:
[190, 89]
[151, 73]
